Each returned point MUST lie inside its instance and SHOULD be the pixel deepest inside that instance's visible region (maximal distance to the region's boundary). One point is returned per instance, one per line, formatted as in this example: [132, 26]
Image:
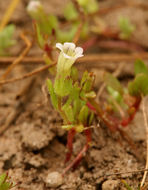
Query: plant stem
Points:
[70, 138]
[94, 106]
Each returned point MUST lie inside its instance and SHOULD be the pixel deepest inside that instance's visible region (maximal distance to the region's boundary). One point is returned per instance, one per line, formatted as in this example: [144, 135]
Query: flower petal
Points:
[69, 45]
[33, 6]
[59, 46]
[79, 50]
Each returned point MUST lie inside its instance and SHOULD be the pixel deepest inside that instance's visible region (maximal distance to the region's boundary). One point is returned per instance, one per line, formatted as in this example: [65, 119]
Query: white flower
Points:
[68, 55]
[33, 6]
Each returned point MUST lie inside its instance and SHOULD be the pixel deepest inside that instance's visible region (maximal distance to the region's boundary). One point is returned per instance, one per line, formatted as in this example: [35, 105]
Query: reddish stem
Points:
[79, 157]
[76, 160]
[70, 138]
[94, 106]
[81, 154]
[126, 121]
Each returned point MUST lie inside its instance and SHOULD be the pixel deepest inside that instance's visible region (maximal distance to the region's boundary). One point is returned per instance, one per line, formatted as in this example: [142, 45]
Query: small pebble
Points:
[110, 185]
[54, 179]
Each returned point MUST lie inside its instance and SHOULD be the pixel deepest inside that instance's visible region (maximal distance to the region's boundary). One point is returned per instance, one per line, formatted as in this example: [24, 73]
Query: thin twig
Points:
[128, 172]
[114, 57]
[79, 9]
[78, 32]
[28, 74]
[18, 59]
[146, 128]
[82, 21]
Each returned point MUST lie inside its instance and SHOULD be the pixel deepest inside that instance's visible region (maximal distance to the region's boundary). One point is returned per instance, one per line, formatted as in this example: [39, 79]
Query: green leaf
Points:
[74, 95]
[53, 96]
[83, 2]
[66, 35]
[90, 94]
[62, 86]
[139, 86]
[117, 97]
[92, 6]
[115, 94]
[91, 117]
[87, 85]
[74, 73]
[140, 67]
[69, 113]
[77, 105]
[112, 81]
[79, 128]
[40, 38]
[89, 6]
[83, 115]
[67, 127]
[70, 13]
[126, 28]
[52, 22]
[6, 40]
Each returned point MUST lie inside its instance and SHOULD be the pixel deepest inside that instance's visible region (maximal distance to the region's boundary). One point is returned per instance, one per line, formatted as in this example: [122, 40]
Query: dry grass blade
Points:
[146, 128]
[145, 187]
[8, 13]
[27, 75]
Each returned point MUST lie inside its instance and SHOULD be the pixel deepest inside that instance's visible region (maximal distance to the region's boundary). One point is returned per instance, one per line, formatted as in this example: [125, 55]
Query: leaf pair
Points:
[139, 86]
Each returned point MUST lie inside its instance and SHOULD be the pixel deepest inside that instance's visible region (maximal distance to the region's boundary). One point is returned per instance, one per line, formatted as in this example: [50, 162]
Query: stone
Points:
[54, 179]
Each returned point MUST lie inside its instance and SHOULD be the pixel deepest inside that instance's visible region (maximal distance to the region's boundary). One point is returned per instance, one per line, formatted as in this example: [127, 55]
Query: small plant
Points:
[5, 183]
[73, 98]
[50, 25]
[122, 103]
[126, 28]
[69, 95]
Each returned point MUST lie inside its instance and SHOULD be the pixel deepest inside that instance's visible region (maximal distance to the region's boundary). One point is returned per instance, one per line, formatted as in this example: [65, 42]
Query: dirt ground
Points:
[34, 145]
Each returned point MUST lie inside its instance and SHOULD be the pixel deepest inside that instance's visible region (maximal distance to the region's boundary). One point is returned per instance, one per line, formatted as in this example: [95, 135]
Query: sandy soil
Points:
[34, 144]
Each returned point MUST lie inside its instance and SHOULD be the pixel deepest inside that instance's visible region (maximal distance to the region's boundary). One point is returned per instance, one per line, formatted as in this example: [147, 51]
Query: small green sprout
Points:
[5, 183]
[126, 28]
[6, 40]
[89, 6]
[46, 23]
